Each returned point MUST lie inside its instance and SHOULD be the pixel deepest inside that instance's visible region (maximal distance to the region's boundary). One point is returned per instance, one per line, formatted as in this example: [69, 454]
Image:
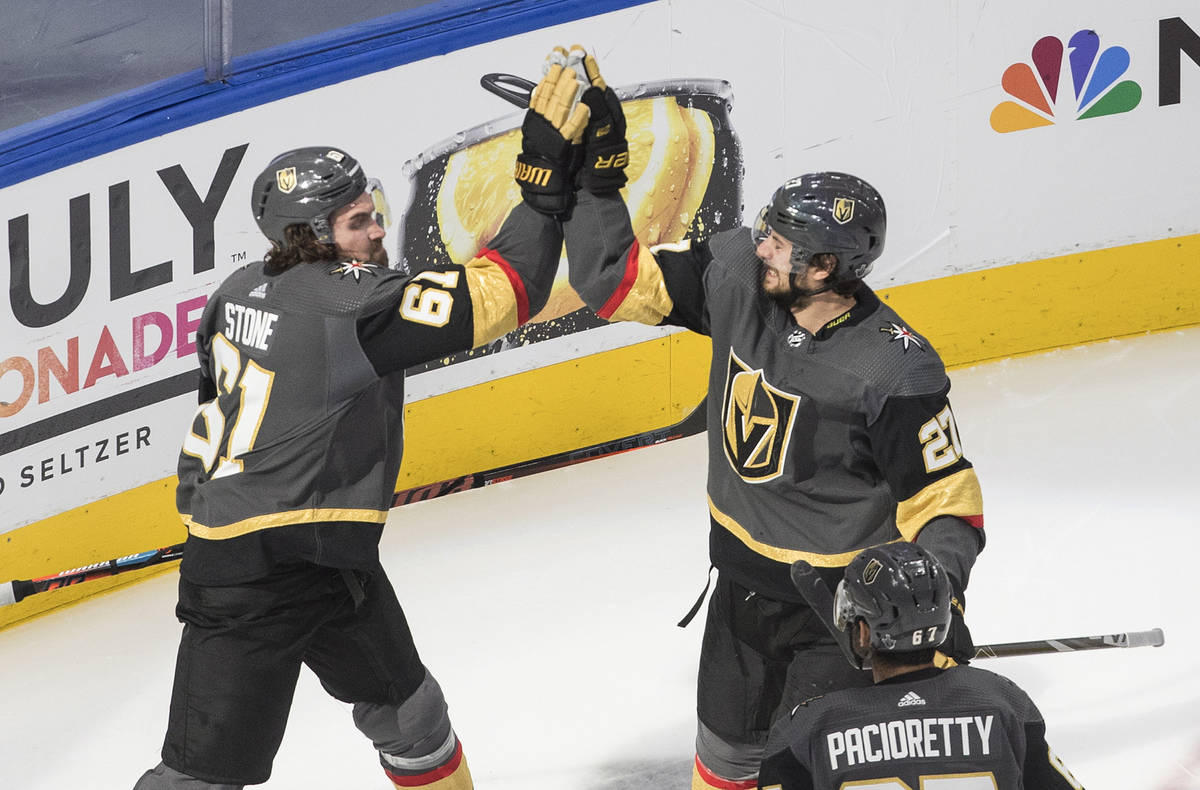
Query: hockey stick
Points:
[1152, 638]
[688, 426]
[819, 598]
[817, 595]
[17, 590]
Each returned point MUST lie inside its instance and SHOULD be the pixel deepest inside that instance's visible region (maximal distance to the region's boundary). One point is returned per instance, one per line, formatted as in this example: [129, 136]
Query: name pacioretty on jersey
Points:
[941, 736]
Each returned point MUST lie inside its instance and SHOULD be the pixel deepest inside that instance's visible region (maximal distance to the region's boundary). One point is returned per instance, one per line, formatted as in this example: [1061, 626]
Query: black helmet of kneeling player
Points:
[902, 593]
[827, 212]
[305, 186]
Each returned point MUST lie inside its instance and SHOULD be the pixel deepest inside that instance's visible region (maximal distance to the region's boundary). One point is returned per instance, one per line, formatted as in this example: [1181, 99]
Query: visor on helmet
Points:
[761, 230]
[844, 615]
[383, 212]
[843, 608]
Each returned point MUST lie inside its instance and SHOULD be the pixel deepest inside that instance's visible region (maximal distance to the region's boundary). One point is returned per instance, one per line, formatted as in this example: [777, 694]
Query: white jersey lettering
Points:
[248, 326]
[910, 738]
[984, 724]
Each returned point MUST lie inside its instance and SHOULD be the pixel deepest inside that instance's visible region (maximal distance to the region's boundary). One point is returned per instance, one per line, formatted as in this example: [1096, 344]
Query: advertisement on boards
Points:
[996, 135]
[111, 260]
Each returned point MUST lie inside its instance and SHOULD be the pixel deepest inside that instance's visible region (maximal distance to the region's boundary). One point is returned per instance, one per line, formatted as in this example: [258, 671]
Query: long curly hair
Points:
[300, 246]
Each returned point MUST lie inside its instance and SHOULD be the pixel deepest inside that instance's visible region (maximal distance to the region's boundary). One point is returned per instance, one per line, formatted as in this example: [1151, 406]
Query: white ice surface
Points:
[547, 605]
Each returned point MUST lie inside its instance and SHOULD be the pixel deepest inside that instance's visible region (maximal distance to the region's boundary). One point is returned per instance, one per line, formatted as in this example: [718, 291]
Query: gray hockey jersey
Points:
[956, 728]
[819, 445]
[295, 448]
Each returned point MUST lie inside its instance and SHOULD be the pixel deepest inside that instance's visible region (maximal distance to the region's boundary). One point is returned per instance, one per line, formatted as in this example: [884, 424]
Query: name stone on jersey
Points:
[248, 326]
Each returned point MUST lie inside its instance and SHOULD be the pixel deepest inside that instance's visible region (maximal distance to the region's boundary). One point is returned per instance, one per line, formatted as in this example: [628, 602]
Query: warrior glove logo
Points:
[612, 160]
[757, 423]
[537, 176]
[285, 179]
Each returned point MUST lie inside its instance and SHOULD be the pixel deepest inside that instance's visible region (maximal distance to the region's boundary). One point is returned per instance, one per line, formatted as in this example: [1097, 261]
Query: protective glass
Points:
[383, 212]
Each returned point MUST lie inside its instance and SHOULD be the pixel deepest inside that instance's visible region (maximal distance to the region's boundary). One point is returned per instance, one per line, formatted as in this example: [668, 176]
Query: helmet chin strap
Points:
[806, 291]
[806, 260]
[797, 297]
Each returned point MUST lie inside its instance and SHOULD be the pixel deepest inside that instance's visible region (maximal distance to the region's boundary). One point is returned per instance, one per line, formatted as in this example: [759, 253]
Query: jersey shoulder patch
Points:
[890, 357]
[353, 269]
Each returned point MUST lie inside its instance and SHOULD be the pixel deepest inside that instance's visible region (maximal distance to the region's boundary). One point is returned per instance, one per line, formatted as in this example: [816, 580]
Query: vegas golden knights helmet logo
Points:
[843, 210]
[285, 179]
[757, 421]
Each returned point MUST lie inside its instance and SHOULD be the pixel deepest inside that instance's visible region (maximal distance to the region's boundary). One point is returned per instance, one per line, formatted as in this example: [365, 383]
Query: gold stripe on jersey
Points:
[312, 515]
[646, 300]
[956, 495]
[788, 556]
[493, 303]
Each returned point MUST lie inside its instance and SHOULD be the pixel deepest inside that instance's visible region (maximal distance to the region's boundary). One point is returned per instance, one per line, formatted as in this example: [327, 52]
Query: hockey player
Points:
[287, 474]
[829, 428]
[918, 726]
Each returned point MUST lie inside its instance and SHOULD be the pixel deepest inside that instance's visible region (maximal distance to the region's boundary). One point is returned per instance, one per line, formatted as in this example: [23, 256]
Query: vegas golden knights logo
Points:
[871, 571]
[757, 421]
[843, 210]
[286, 179]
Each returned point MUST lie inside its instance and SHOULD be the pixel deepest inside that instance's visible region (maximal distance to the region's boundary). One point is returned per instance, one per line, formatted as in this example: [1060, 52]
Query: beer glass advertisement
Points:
[685, 181]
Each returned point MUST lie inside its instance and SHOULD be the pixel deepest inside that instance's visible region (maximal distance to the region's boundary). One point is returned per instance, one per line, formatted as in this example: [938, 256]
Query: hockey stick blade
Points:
[817, 595]
[20, 589]
[1152, 638]
[513, 89]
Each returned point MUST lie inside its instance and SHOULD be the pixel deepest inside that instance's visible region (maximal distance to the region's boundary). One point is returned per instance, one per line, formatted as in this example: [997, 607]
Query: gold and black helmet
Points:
[902, 593]
[305, 186]
[827, 212]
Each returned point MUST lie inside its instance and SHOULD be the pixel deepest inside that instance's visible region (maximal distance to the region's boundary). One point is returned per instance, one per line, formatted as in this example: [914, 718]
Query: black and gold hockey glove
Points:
[553, 127]
[606, 152]
[958, 647]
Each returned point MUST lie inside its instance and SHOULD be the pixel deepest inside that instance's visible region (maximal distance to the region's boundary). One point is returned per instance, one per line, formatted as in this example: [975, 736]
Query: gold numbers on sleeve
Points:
[939, 437]
[429, 304]
[252, 385]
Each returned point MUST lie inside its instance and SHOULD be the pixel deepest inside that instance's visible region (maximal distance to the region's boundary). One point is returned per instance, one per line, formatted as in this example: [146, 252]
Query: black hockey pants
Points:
[240, 657]
[759, 658]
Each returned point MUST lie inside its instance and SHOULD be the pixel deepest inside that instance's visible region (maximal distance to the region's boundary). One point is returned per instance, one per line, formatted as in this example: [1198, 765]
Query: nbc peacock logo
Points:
[1095, 78]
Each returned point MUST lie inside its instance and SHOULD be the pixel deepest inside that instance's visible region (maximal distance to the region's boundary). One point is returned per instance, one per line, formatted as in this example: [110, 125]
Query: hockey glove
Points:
[606, 152]
[552, 128]
[958, 646]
